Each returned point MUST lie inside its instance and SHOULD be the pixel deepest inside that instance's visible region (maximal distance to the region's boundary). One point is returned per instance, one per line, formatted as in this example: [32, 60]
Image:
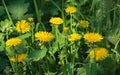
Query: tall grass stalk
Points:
[38, 15]
[63, 16]
[33, 38]
[71, 22]
[3, 2]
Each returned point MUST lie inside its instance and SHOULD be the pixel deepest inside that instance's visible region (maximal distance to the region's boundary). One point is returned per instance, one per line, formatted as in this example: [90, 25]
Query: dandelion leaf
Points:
[37, 55]
[18, 8]
[114, 36]
[24, 36]
[81, 71]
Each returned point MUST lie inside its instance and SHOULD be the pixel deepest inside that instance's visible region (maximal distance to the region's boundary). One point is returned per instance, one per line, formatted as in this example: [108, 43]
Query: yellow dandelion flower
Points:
[84, 23]
[74, 37]
[44, 36]
[30, 19]
[70, 10]
[93, 37]
[99, 53]
[13, 42]
[56, 20]
[65, 29]
[12, 59]
[18, 58]
[22, 26]
[21, 57]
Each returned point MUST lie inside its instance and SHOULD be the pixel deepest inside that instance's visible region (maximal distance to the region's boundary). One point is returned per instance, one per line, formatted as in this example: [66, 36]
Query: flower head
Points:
[84, 23]
[13, 42]
[18, 58]
[74, 37]
[70, 10]
[93, 37]
[44, 36]
[99, 53]
[30, 19]
[56, 20]
[65, 29]
[22, 26]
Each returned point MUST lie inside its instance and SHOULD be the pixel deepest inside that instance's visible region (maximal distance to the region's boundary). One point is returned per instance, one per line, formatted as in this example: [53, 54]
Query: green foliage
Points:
[113, 37]
[24, 36]
[81, 71]
[18, 8]
[60, 56]
[36, 55]
[3, 64]
[5, 25]
[1, 10]
[2, 43]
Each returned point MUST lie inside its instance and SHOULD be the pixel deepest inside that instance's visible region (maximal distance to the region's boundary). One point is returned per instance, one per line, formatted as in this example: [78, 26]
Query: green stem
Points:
[93, 5]
[37, 14]
[11, 65]
[116, 45]
[93, 65]
[56, 34]
[63, 16]
[16, 64]
[33, 33]
[71, 23]
[73, 59]
[114, 17]
[8, 13]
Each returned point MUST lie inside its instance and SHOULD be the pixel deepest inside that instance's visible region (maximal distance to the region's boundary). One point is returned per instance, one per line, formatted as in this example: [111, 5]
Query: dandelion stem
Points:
[37, 14]
[71, 22]
[8, 13]
[63, 16]
[11, 65]
[72, 59]
[32, 33]
[56, 34]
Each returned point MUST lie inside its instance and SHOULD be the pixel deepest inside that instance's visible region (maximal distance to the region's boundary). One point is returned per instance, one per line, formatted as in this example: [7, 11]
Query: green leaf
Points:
[69, 67]
[114, 36]
[50, 73]
[18, 8]
[54, 48]
[37, 55]
[24, 36]
[81, 71]
[93, 68]
[5, 25]
[10, 51]
[87, 66]
[2, 43]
